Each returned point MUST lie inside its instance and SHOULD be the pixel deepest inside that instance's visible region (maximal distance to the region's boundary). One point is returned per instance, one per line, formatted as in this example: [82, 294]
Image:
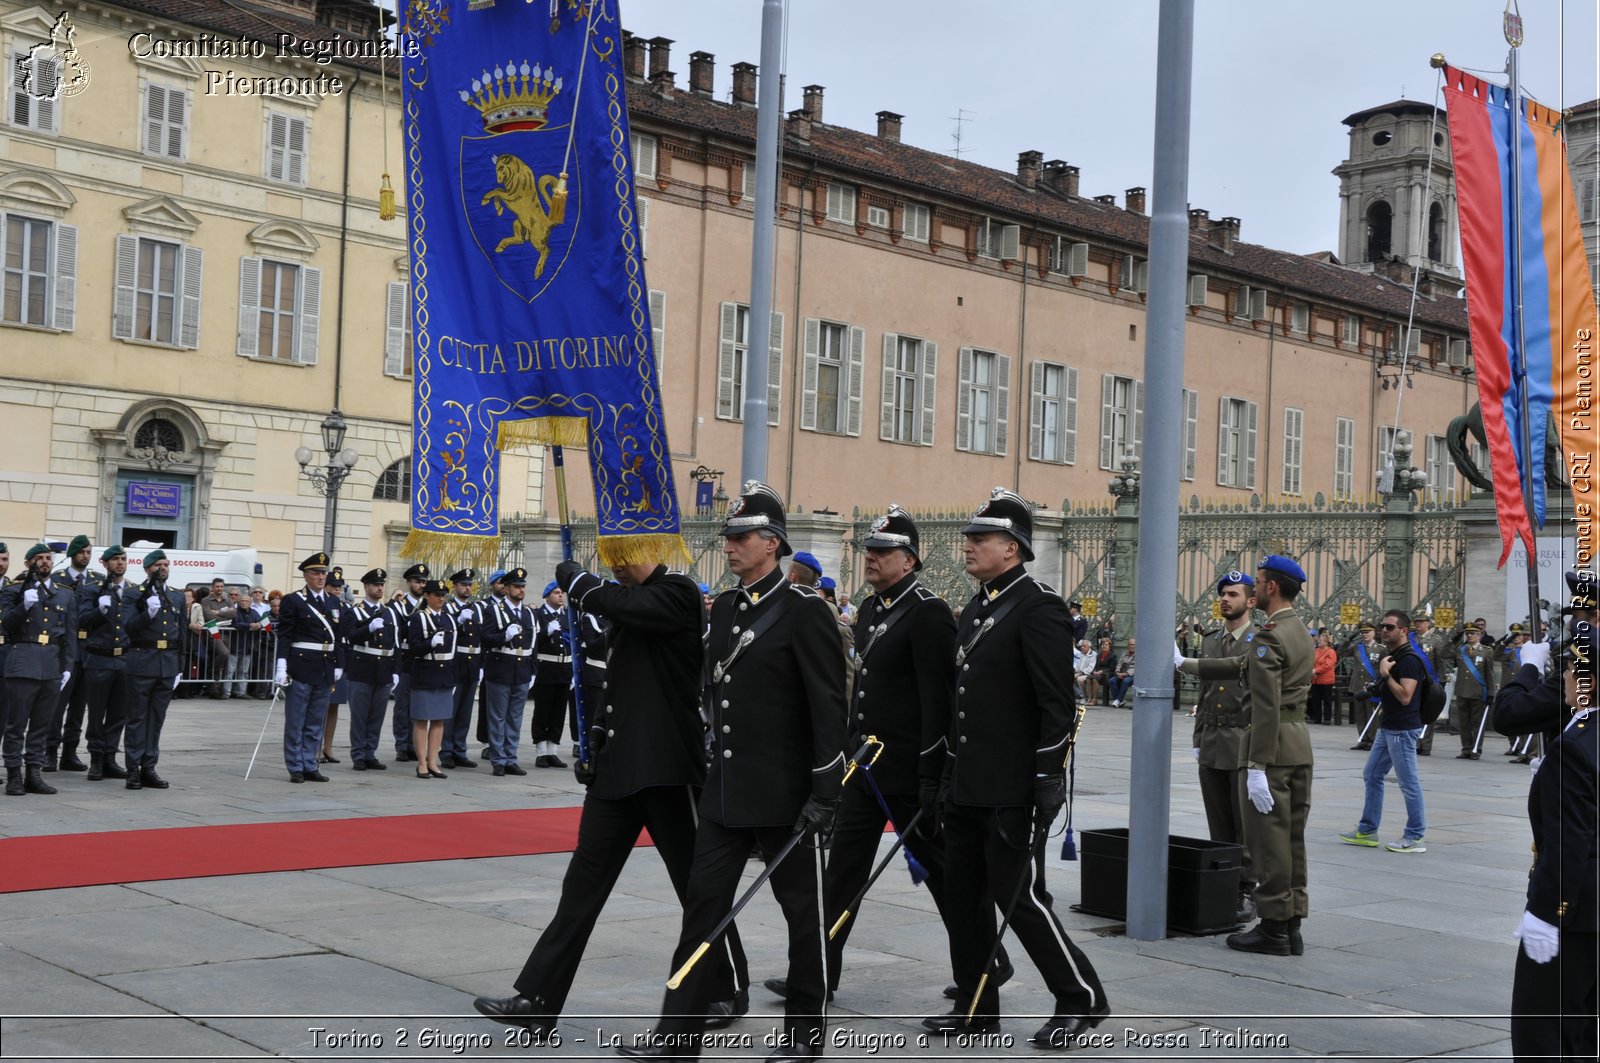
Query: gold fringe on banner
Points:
[666, 550]
[446, 551]
[544, 431]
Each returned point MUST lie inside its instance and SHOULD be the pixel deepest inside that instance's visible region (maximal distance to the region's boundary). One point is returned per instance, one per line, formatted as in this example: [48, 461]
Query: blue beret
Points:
[548, 587]
[808, 560]
[705, 588]
[1283, 566]
[827, 583]
[497, 576]
[1243, 579]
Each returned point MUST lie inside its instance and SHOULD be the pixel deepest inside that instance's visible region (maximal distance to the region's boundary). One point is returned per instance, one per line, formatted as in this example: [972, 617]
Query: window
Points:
[1380, 218]
[1455, 353]
[658, 333]
[644, 157]
[983, 402]
[1440, 469]
[159, 432]
[1068, 258]
[1436, 233]
[394, 483]
[40, 263]
[1385, 446]
[1300, 318]
[733, 353]
[1135, 275]
[1352, 329]
[397, 331]
[878, 217]
[165, 109]
[1191, 432]
[1250, 304]
[288, 137]
[916, 223]
[842, 203]
[747, 184]
[643, 206]
[1053, 414]
[280, 307]
[1236, 443]
[1294, 437]
[157, 292]
[1198, 284]
[1589, 200]
[910, 369]
[35, 90]
[998, 240]
[831, 377]
[1121, 419]
[1344, 457]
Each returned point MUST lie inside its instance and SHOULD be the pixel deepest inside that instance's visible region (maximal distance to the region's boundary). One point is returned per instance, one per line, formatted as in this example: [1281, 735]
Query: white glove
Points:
[437, 640]
[1256, 786]
[480, 676]
[338, 674]
[281, 676]
[176, 680]
[1540, 940]
[30, 598]
[105, 603]
[553, 628]
[152, 606]
[376, 625]
[513, 630]
[1533, 765]
[394, 680]
[1177, 656]
[1196, 754]
[66, 677]
[1536, 654]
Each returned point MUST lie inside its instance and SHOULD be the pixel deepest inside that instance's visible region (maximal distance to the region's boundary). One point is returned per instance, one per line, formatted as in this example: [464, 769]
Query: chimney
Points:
[702, 72]
[1061, 177]
[1108, 201]
[633, 51]
[660, 55]
[1134, 198]
[813, 103]
[1028, 164]
[889, 125]
[1224, 234]
[1200, 220]
[744, 84]
[800, 125]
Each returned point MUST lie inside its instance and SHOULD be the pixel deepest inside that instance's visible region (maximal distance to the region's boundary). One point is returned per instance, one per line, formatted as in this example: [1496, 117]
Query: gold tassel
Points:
[642, 550]
[386, 200]
[558, 201]
[447, 550]
[544, 431]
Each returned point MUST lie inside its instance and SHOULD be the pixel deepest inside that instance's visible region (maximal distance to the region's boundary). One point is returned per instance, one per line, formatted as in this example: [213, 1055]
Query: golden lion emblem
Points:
[521, 193]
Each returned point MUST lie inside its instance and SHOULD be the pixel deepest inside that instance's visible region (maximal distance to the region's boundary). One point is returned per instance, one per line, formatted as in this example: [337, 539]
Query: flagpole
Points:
[574, 645]
[1513, 32]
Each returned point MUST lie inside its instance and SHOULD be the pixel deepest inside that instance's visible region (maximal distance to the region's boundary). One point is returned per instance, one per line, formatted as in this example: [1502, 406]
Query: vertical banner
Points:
[530, 312]
[1554, 360]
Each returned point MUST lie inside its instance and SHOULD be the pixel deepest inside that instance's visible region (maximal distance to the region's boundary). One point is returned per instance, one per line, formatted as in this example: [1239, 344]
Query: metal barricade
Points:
[227, 662]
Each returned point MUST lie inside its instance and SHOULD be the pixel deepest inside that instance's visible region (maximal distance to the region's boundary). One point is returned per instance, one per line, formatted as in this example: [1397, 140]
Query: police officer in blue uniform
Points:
[105, 663]
[309, 664]
[507, 635]
[370, 632]
[469, 669]
[155, 621]
[416, 577]
[40, 618]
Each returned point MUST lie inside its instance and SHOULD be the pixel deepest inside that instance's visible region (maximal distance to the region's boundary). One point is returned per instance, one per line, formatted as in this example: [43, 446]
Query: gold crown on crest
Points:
[515, 99]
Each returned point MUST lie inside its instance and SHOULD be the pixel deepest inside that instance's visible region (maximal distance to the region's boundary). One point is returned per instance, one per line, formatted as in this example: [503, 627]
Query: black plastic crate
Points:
[1202, 880]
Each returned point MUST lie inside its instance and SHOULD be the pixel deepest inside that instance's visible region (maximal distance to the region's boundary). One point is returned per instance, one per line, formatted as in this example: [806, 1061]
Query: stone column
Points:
[823, 535]
[1485, 580]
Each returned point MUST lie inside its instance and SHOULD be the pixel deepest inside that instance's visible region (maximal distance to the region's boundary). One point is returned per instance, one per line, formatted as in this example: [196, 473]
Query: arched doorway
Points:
[156, 470]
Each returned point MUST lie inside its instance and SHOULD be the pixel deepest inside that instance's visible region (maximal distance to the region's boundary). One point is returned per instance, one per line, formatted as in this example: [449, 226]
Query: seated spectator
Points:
[1105, 666]
[1122, 678]
[1083, 668]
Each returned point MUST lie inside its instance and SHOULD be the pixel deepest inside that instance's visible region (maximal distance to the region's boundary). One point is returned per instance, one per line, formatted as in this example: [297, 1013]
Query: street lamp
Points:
[327, 480]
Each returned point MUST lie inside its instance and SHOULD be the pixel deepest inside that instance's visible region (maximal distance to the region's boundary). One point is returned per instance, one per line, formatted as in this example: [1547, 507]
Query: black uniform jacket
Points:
[432, 667]
[594, 633]
[1014, 696]
[1565, 876]
[76, 583]
[403, 610]
[507, 662]
[42, 636]
[469, 641]
[554, 658]
[905, 689]
[1529, 704]
[650, 701]
[308, 628]
[371, 657]
[105, 642]
[156, 639]
[777, 712]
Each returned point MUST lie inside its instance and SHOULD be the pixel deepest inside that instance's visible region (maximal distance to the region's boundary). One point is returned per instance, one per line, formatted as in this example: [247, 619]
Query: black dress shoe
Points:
[1424, 752]
[404, 755]
[541, 761]
[515, 1011]
[1059, 1033]
[779, 987]
[499, 770]
[151, 780]
[463, 762]
[554, 761]
[515, 769]
[316, 776]
[437, 774]
[1270, 937]
[358, 765]
[297, 776]
[1002, 975]
[653, 1049]
[722, 1013]
[446, 760]
[327, 758]
[955, 1021]
[1362, 746]
[1297, 944]
[1246, 910]
[374, 764]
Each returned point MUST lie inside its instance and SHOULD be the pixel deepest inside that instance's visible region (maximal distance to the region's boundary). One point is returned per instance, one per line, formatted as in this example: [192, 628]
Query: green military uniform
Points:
[1361, 706]
[1472, 695]
[1221, 727]
[1437, 648]
[1277, 666]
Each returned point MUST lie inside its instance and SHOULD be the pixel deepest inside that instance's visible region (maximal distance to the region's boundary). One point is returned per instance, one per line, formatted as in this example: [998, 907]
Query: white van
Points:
[186, 568]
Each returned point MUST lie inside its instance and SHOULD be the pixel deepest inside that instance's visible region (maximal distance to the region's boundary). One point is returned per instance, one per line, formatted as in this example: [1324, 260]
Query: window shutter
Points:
[891, 344]
[127, 273]
[658, 333]
[1258, 305]
[1002, 403]
[964, 399]
[296, 174]
[808, 375]
[726, 353]
[1138, 419]
[64, 314]
[1069, 418]
[155, 114]
[1036, 413]
[1078, 260]
[855, 356]
[1010, 242]
[277, 146]
[644, 226]
[249, 306]
[1250, 446]
[775, 369]
[1197, 289]
[1191, 432]
[308, 312]
[191, 274]
[177, 112]
[394, 330]
[1223, 438]
[1243, 305]
[1108, 389]
[930, 377]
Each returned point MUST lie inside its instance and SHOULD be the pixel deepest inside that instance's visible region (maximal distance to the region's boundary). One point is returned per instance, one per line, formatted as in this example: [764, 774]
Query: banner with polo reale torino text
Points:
[530, 313]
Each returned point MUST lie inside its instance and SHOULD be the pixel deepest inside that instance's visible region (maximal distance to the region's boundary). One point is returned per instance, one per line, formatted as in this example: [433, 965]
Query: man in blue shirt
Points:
[1399, 688]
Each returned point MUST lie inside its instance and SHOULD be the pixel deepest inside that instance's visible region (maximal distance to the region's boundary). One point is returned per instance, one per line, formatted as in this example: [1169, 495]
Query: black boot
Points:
[50, 758]
[112, 769]
[149, 778]
[97, 769]
[1247, 904]
[1297, 945]
[34, 783]
[134, 782]
[70, 761]
[14, 783]
[1269, 937]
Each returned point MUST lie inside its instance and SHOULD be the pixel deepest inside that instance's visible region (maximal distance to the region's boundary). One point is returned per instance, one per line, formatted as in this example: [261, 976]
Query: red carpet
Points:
[62, 861]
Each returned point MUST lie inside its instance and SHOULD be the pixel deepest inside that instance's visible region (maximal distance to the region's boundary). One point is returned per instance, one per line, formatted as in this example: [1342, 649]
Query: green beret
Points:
[112, 551]
[35, 550]
[153, 556]
[4, 549]
[79, 542]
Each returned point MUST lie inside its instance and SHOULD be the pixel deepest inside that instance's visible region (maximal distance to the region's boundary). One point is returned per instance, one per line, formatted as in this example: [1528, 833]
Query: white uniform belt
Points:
[470, 651]
[372, 651]
[515, 652]
[320, 647]
[442, 656]
[587, 663]
[555, 658]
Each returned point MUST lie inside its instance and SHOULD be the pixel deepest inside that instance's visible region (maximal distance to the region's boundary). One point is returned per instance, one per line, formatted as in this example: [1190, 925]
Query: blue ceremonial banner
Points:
[530, 313]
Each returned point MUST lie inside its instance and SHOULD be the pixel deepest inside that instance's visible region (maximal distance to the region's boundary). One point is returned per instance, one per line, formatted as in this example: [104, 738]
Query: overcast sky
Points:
[1076, 80]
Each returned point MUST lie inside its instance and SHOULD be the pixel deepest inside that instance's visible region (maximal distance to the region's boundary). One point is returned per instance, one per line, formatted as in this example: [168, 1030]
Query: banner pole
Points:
[574, 646]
